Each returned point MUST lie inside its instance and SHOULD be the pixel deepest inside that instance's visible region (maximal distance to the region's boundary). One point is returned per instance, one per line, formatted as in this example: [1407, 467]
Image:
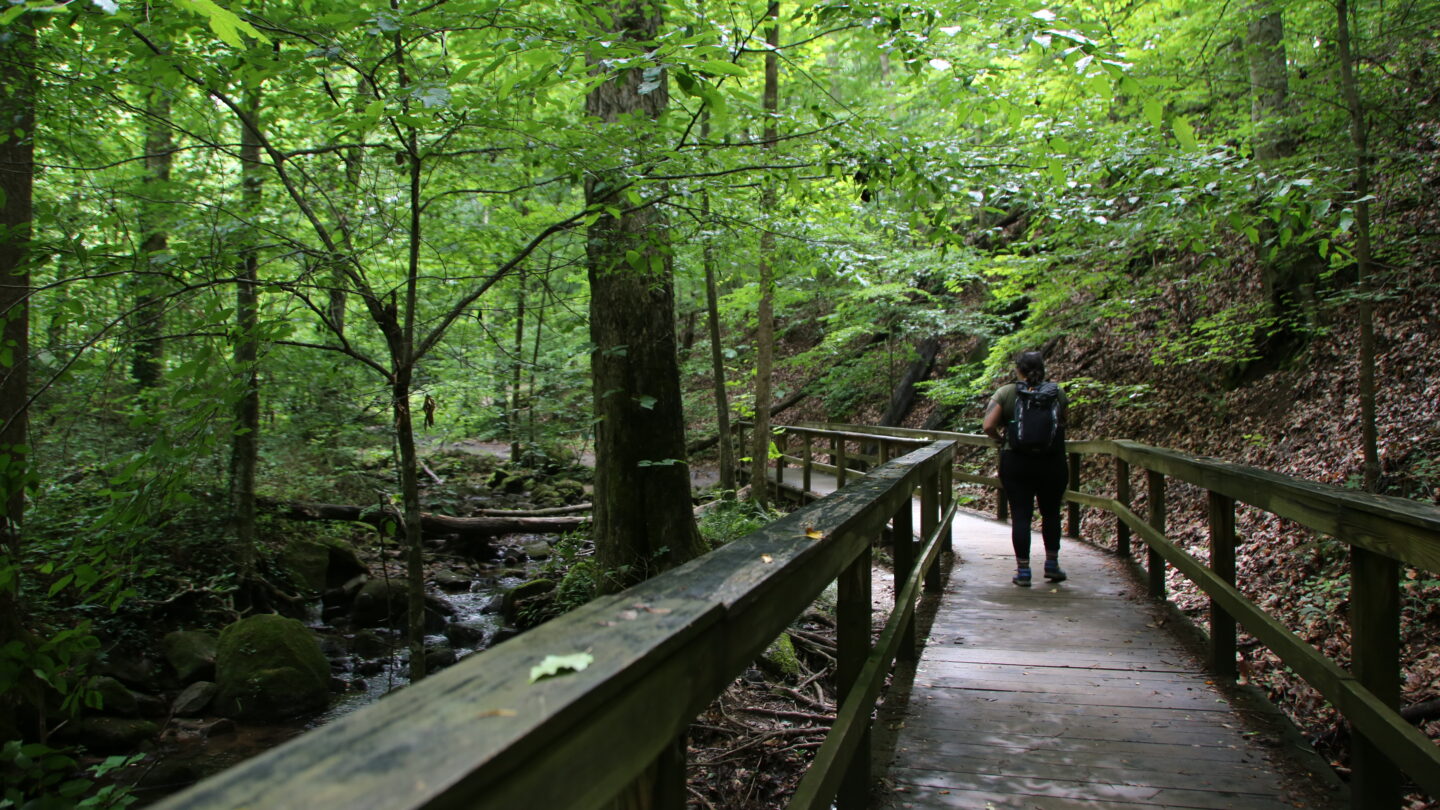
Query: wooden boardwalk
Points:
[1066, 696]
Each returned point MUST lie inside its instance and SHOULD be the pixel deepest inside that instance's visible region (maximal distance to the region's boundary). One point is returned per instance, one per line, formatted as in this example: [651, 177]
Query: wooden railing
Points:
[1383, 534]
[481, 734]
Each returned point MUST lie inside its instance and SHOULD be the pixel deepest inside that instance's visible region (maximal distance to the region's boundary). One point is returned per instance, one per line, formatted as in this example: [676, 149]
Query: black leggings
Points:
[1028, 479]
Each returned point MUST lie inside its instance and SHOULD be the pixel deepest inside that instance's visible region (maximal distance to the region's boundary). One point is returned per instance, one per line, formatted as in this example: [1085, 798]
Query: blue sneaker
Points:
[1053, 572]
[1022, 577]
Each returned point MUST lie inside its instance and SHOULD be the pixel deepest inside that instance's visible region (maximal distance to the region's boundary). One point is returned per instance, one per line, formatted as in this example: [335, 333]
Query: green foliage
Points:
[38, 777]
[731, 519]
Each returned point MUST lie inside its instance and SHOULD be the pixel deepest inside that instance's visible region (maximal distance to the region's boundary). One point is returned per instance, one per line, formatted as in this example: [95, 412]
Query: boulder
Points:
[114, 735]
[115, 698]
[270, 668]
[135, 671]
[453, 581]
[386, 603]
[194, 699]
[191, 654]
[538, 550]
[370, 644]
[319, 565]
[437, 658]
[468, 635]
[525, 591]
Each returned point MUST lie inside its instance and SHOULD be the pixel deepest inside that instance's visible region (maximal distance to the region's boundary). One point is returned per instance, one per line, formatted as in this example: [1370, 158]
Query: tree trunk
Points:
[245, 447]
[148, 319]
[1360, 136]
[1269, 82]
[402, 360]
[903, 396]
[717, 356]
[765, 334]
[643, 519]
[517, 367]
[18, 86]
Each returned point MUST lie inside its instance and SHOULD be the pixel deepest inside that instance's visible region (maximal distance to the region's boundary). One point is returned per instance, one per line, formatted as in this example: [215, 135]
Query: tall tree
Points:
[643, 518]
[148, 318]
[245, 446]
[18, 87]
[1360, 138]
[765, 333]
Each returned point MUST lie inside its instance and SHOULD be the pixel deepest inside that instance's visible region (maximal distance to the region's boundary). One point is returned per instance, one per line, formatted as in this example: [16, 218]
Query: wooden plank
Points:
[1375, 652]
[1155, 564]
[1112, 692]
[1173, 771]
[1060, 787]
[1052, 748]
[1222, 562]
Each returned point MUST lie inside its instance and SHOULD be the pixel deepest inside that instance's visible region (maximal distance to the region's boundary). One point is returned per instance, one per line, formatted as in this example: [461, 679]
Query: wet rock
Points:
[371, 667]
[167, 775]
[537, 551]
[194, 699]
[453, 581]
[468, 635]
[319, 565]
[505, 633]
[191, 654]
[494, 604]
[112, 735]
[115, 698]
[270, 668]
[522, 593]
[370, 644]
[152, 706]
[437, 658]
[381, 603]
[136, 672]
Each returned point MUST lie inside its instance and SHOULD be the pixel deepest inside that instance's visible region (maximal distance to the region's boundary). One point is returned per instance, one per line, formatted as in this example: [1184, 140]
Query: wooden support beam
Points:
[1156, 563]
[903, 555]
[1375, 653]
[838, 457]
[1222, 562]
[1122, 494]
[852, 628]
[929, 522]
[807, 465]
[1072, 523]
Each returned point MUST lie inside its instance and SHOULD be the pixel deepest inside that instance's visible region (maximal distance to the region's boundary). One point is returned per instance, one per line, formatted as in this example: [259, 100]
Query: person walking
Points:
[1027, 419]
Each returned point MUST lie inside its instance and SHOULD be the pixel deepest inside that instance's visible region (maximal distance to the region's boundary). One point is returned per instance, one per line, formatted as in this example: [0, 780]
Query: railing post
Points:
[947, 496]
[1222, 562]
[839, 458]
[661, 786]
[1157, 521]
[929, 520]
[807, 465]
[904, 556]
[1375, 656]
[884, 451]
[852, 626]
[1122, 494]
[780, 461]
[1002, 506]
[1072, 524]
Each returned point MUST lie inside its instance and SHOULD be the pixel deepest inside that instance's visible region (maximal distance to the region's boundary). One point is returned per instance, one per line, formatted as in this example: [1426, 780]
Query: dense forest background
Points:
[306, 252]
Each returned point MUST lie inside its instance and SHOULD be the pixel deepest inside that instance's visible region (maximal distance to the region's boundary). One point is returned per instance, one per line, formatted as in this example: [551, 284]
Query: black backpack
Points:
[1036, 425]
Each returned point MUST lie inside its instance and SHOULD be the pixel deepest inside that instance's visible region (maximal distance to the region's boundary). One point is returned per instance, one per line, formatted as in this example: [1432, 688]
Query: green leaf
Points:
[1155, 113]
[647, 402]
[226, 25]
[556, 664]
[1186, 135]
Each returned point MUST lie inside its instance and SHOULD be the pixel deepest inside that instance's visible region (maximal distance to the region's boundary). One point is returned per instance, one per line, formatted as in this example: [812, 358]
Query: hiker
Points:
[1027, 419]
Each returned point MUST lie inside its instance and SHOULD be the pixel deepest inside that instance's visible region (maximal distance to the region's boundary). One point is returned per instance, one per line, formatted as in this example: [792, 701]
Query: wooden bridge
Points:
[1054, 698]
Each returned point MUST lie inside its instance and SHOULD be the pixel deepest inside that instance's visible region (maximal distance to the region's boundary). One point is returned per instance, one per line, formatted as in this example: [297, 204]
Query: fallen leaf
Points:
[629, 615]
[497, 713]
[556, 664]
[766, 558]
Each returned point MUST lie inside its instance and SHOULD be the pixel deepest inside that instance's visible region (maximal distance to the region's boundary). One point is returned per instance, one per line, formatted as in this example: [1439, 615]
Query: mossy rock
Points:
[270, 668]
[191, 654]
[320, 565]
[115, 698]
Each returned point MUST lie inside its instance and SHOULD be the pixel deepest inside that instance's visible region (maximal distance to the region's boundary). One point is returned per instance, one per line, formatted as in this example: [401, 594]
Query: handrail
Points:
[482, 735]
[1382, 531]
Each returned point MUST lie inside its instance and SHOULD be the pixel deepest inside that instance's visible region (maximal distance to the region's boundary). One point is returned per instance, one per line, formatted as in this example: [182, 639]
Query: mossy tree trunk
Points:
[765, 332]
[643, 518]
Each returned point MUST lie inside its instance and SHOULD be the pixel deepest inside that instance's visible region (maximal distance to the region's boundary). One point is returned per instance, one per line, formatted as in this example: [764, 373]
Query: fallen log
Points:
[554, 510]
[431, 524]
